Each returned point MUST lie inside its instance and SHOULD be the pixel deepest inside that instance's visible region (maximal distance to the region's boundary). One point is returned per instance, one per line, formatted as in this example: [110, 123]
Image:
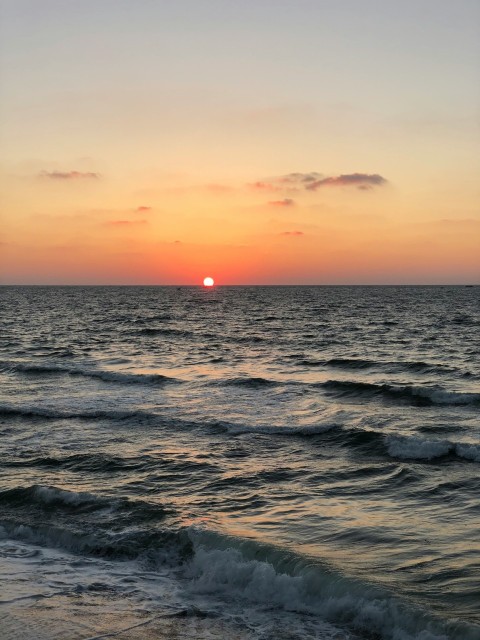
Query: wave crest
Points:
[408, 393]
[106, 376]
[416, 448]
[279, 579]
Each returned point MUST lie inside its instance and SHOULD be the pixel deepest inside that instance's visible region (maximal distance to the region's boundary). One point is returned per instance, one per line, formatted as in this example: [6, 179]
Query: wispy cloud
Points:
[311, 181]
[70, 175]
[286, 202]
[264, 186]
[143, 209]
[300, 178]
[292, 233]
[363, 181]
[124, 223]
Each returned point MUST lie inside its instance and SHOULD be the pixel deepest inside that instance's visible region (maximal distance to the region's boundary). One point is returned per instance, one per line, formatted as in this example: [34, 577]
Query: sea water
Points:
[248, 462]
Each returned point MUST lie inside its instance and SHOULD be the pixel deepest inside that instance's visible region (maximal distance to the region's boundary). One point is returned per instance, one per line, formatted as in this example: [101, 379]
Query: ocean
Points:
[240, 462]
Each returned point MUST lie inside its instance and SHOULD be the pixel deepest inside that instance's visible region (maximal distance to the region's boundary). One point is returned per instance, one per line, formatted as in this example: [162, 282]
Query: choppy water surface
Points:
[301, 461]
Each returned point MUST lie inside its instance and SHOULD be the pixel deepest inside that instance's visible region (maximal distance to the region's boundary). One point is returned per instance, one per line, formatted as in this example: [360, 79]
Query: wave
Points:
[361, 363]
[333, 426]
[416, 448]
[82, 522]
[155, 547]
[39, 494]
[81, 462]
[242, 572]
[48, 496]
[253, 382]
[51, 413]
[301, 430]
[135, 417]
[368, 441]
[344, 363]
[418, 395]
[464, 319]
[351, 363]
[105, 463]
[164, 331]
[405, 447]
[162, 317]
[245, 570]
[249, 339]
[106, 376]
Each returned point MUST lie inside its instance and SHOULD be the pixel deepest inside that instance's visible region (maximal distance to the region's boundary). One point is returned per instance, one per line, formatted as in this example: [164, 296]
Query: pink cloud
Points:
[363, 181]
[286, 202]
[69, 175]
[124, 223]
[264, 186]
[292, 233]
[143, 209]
[296, 182]
[300, 178]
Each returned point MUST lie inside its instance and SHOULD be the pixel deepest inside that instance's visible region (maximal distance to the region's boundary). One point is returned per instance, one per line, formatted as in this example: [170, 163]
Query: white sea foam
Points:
[415, 448]
[468, 451]
[49, 495]
[310, 590]
[441, 396]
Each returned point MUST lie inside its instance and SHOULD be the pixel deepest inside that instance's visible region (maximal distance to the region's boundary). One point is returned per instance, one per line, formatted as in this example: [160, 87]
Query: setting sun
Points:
[208, 282]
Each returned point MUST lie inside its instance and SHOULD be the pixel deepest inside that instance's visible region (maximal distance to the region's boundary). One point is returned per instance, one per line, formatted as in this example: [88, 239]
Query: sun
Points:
[208, 282]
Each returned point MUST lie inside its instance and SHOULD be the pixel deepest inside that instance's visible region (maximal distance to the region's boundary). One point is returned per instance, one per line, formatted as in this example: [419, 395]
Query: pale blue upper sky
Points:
[416, 60]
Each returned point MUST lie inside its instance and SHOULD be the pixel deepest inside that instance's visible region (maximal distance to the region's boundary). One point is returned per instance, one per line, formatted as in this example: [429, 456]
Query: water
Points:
[242, 462]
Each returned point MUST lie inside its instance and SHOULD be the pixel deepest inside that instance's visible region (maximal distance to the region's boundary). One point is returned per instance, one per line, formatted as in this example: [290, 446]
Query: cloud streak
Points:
[264, 186]
[300, 178]
[124, 223]
[292, 233]
[311, 181]
[70, 175]
[363, 181]
[286, 202]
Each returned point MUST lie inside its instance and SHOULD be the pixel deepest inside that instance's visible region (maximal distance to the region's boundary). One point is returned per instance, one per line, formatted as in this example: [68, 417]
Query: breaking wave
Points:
[420, 395]
[52, 413]
[237, 570]
[106, 376]
[244, 570]
[415, 448]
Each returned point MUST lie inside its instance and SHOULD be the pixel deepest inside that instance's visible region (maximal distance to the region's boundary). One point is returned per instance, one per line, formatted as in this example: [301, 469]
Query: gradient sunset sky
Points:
[259, 142]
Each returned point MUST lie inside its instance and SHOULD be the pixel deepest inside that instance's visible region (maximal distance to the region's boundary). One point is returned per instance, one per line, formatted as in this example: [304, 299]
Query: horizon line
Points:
[217, 286]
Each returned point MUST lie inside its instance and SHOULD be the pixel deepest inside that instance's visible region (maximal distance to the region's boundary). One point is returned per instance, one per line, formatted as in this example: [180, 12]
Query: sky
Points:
[257, 142]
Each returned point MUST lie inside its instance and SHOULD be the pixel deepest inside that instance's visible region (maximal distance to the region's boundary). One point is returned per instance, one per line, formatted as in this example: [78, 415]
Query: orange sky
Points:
[154, 145]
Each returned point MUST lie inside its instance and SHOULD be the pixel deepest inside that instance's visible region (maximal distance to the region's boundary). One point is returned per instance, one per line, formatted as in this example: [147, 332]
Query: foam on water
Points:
[415, 448]
[311, 591]
[430, 395]
[228, 571]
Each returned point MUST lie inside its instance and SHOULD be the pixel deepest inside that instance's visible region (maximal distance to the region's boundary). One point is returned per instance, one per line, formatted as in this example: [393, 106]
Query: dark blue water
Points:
[301, 461]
